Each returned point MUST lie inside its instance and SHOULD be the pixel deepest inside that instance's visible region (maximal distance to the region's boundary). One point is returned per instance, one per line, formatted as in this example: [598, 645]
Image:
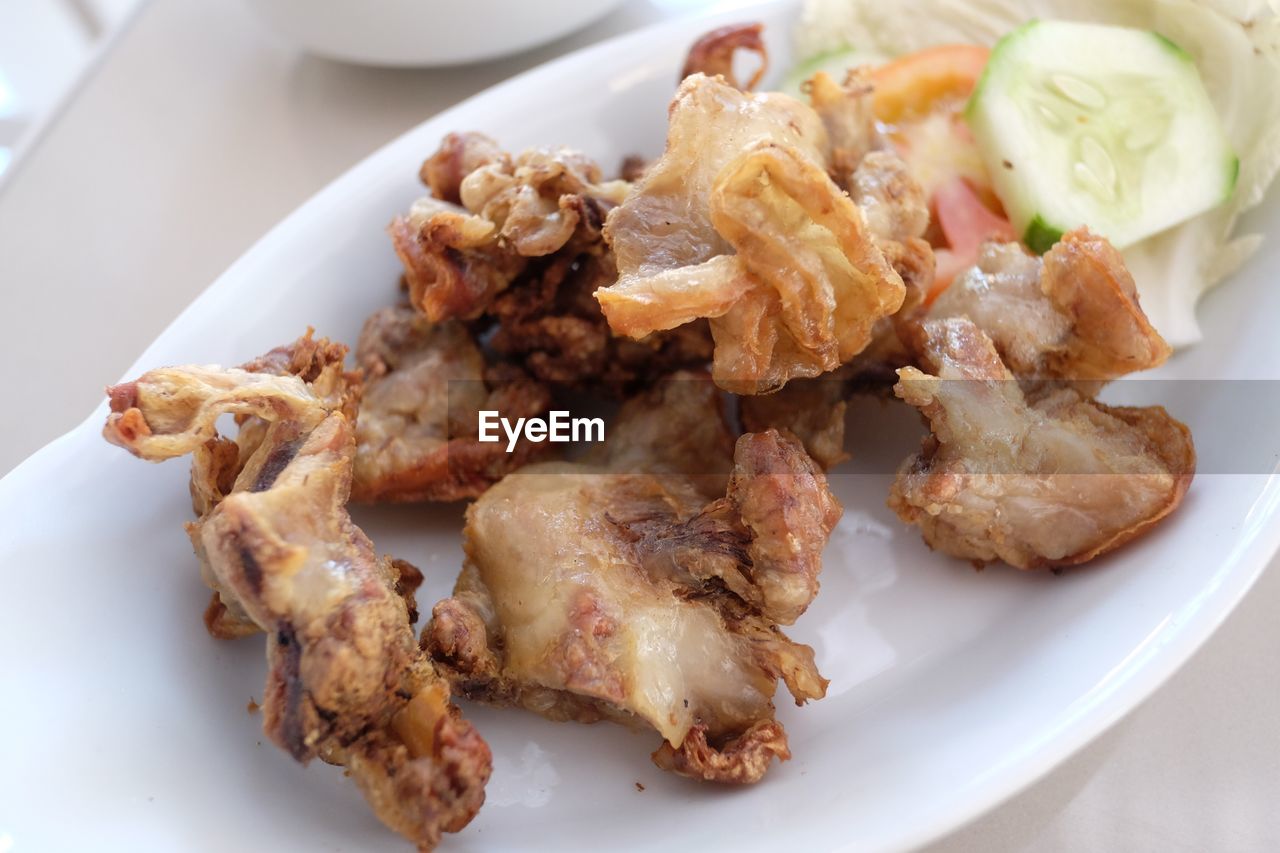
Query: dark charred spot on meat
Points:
[277, 460]
[633, 167]
[408, 579]
[293, 723]
[249, 567]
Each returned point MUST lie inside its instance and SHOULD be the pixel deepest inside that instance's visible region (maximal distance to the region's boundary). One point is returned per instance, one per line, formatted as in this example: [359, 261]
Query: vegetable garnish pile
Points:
[1153, 124]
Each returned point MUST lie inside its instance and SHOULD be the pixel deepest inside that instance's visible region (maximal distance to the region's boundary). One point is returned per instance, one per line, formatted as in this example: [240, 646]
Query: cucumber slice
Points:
[835, 63]
[1110, 127]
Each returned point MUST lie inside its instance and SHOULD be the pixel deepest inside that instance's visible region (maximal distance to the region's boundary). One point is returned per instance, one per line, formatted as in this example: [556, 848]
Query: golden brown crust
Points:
[459, 155]
[522, 255]
[423, 785]
[346, 680]
[1073, 315]
[453, 266]
[781, 497]
[742, 760]
[811, 409]
[664, 611]
[1168, 438]
[847, 113]
[1088, 282]
[754, 236]
[1039, 478]
[713, 53]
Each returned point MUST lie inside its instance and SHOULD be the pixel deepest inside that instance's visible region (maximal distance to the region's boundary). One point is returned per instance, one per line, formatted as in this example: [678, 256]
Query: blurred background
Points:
[45, 46]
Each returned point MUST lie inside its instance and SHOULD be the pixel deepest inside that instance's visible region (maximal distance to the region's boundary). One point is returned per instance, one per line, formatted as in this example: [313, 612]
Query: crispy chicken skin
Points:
[811, 409]
[1042, 479]
[740, 222]
[599, 590]
[479, 231]
[846, 111]
[425, 384]
[713, 54]
[454, 263]
[897, 216]
[218, 462]
[1073, 315]
[516, 243]
[665, 223]
[541, 198]
[346, 681]
[459, 155]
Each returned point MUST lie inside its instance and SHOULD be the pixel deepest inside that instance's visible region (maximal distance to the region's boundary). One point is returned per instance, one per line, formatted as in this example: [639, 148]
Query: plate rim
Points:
[1250, 555]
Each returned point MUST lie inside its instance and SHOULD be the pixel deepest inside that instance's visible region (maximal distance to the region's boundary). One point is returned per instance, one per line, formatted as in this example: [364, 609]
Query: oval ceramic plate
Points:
[125, 725]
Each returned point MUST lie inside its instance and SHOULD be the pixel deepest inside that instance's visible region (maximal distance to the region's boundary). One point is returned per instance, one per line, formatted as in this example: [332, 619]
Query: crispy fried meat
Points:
[713, 53]
[1041, 479]
[459, 155]
[619, 589]
[551, 324]
[454, 263]
[540, 200]
[1075, 315]
[811, 409]
[847, 112]
[739, 222]
[513, 210]
[346, 682]
[425, 384]
[523, 253]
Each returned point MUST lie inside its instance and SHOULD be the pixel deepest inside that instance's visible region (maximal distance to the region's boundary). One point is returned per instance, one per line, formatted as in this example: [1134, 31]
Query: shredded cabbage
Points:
[1236, 45]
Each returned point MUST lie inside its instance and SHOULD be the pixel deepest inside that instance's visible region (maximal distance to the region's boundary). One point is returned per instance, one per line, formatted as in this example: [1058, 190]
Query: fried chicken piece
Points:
[453, 261]
[824, 281]
[217, 463]
[712, 54]
[665, 224]
[890, 199]
[417, 435]
[459, 155]
[551, 323]
[525, 252]
[678, 425]
[1042, 480]
[457, 259]
[599, 590]
[346, 682]
[848, 114]
[805, 282]
[897, 217]
[538, 201]
[811, 409]
[1075, 315]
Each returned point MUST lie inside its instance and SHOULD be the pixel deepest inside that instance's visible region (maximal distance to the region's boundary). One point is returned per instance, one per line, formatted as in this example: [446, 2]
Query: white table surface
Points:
[200, 130]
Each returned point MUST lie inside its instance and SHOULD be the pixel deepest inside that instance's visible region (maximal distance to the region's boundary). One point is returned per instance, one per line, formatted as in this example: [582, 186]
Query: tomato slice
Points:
[912, 86]
[920, 97]
[966, 223]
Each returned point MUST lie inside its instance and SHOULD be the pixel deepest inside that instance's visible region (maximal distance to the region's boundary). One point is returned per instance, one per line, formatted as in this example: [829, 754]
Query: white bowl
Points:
[425, 32]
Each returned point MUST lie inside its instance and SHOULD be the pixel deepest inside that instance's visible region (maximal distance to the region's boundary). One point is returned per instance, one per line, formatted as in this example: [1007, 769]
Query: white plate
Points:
[124, 724]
